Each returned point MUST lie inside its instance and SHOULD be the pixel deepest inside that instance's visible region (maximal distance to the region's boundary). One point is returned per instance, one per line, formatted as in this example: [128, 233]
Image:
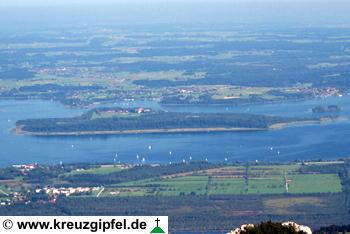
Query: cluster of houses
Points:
[11, 198]
[54, 192]
[64, 71]
[327, 92]
[138, 110]
[321, 92]
[26, 167]
[5, 202]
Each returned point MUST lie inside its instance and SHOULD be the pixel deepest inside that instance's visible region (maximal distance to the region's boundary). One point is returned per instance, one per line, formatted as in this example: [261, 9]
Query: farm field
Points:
[231, 180]
[317, 183]
[316, 193]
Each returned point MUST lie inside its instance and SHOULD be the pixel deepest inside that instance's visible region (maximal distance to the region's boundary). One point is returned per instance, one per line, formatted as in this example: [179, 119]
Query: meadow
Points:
[232, 180]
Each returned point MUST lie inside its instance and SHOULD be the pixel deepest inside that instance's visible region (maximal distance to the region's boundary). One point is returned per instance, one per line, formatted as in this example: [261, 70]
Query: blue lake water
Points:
[325, 141]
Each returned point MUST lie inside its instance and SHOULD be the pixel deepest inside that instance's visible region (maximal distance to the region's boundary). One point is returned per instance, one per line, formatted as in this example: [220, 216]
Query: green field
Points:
[226, 186]
[314, 183]
[273, 169]
[232, 180]
[162, 187]
[271, 185]
[104, 169]
[188, 184]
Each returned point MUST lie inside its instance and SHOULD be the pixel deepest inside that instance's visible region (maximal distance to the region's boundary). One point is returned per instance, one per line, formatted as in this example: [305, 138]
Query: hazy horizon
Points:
[42, 12]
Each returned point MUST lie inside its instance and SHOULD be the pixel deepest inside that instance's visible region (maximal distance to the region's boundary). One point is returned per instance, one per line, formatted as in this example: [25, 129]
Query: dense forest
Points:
[333, 229]
[188, 212]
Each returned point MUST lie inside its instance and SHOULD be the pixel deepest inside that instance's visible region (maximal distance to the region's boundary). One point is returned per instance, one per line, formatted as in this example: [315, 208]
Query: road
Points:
[99, 193]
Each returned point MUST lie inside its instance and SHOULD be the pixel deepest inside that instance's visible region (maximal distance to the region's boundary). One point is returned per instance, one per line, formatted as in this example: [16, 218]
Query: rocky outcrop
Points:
[296, 227]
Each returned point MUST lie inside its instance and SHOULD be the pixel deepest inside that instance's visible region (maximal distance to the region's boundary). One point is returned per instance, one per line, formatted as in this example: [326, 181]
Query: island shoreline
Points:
[19, 131]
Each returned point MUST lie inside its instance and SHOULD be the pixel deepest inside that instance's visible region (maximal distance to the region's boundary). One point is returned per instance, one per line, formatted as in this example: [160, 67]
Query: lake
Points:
[304, 142]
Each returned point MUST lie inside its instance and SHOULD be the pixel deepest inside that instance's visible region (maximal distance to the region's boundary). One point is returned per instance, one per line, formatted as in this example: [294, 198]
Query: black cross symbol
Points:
[157, 220]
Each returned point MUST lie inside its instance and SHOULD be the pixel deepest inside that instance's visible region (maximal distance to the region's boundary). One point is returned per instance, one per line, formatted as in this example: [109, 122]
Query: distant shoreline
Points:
[18, 130]
[276, 126]
[284, 125]
[296, 123]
